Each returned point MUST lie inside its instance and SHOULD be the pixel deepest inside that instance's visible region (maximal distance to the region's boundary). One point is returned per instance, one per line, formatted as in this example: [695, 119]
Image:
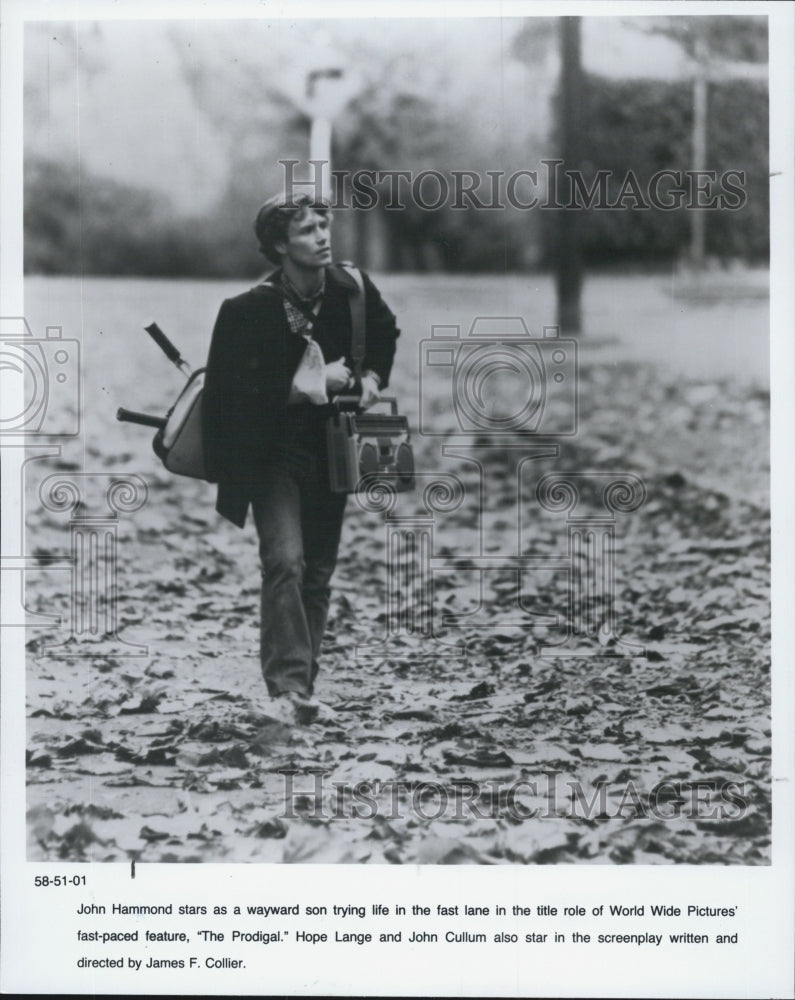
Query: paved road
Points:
[720, 331]
[625, 317]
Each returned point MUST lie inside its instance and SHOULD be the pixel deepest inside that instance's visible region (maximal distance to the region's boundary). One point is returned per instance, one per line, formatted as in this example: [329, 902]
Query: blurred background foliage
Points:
[645, 126]
[235, 106]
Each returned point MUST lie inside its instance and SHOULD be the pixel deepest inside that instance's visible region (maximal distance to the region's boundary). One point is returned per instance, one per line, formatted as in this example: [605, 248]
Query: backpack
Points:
[178, 441]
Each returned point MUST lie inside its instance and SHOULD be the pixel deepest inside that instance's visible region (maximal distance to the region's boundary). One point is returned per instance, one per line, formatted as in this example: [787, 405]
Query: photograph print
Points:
[394, 462]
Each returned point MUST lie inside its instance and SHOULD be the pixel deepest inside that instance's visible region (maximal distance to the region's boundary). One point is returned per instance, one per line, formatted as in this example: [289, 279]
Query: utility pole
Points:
[708, 68]
[323, 101]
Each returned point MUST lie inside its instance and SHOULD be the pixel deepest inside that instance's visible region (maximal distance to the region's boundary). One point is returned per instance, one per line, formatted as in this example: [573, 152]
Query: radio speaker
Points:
[372, 445]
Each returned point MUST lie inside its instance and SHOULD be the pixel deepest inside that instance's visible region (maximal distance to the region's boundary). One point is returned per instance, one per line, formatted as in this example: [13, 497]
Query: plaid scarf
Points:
[298, 322]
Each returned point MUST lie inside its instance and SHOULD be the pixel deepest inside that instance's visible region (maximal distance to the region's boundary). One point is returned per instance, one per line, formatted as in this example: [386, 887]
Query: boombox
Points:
[372, 445]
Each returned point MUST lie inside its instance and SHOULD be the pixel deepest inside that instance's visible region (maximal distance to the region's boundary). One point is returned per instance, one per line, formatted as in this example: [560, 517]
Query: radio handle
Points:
[350, 402]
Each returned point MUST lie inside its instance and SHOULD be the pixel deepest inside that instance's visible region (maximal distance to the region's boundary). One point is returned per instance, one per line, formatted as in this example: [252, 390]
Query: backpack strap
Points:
[357, 306]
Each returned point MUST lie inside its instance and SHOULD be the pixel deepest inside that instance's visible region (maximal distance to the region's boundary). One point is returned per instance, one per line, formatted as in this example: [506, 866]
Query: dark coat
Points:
[253, 359]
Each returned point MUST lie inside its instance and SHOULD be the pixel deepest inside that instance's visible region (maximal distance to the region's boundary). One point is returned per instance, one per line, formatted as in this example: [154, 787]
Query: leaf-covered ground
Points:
[476, 746]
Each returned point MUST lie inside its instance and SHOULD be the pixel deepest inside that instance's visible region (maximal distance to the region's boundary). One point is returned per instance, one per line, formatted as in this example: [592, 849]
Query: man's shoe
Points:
[310, 709]
[292, 708]
[304, 709]
[279, 708]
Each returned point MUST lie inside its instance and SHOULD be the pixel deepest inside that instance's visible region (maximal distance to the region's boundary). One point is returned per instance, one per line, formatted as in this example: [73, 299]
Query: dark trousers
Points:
[299, 522]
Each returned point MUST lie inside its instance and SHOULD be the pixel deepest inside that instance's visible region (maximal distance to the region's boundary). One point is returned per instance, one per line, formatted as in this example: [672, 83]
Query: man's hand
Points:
[338, 375]
[370, 393]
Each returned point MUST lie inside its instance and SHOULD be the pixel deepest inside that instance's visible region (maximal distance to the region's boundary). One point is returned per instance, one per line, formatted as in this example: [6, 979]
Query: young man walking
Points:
[279, 353]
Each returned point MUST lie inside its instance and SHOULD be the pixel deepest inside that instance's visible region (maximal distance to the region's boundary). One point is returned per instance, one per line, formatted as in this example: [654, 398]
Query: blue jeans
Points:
[299, 522]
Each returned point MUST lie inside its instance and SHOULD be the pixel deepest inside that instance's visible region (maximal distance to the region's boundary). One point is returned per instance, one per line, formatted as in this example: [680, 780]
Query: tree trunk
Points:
[569, 259]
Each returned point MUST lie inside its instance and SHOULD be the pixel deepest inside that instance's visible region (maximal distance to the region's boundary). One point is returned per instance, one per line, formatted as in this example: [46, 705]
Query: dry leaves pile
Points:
[490, 754]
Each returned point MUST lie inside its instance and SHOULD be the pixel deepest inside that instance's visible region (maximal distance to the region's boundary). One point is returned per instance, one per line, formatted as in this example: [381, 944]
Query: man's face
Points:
[308, 243]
